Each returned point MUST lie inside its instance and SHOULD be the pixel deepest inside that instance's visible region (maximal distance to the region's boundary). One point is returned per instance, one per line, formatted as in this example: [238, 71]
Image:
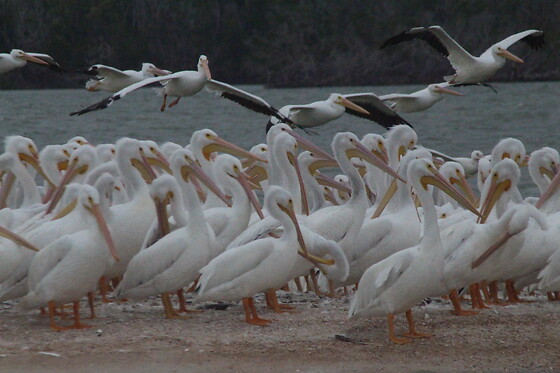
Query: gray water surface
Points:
[456, 125]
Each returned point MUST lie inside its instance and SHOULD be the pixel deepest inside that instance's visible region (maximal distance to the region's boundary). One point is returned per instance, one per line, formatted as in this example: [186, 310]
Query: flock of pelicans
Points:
[399, 224]
[469, 70]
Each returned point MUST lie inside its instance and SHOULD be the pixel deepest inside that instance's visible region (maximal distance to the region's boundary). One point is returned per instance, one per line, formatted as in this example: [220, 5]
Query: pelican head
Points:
[337, 98]
[208, 142]
[89, 198]
[184, 163]
[504, 175]
[510, 148]
[442, 88]
[504, 53]
[232, 167]
[376, 144]
[401, 138]
[18, 53]
[352, 147]
[203, 66]
[149, 68]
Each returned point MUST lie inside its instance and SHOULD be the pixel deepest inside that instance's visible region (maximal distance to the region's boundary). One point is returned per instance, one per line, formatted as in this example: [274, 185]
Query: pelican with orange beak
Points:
[419, 100]
[320, 112]
[56, 276]
[243, 271]
[18, 58]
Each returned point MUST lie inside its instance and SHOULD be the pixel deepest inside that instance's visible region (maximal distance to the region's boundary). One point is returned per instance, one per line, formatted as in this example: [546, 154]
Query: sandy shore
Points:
[134, 337]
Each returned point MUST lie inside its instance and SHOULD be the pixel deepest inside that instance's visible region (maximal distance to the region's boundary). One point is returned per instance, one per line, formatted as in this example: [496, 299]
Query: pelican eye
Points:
[263, 150]
[90, 200]
[444, 215]
[113, 151]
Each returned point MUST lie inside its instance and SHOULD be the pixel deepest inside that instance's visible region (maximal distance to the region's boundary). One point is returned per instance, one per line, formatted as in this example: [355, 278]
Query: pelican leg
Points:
[174, 102]
[91, 306]
[297, 280]
[45, 313]
[549, 295]
[485, 291]
[164, 102]
[457, 309]
[332, 290]
[103, 290]
[315, 283]
[271, 297]
[412, 333]
[251, 316]
[183, 304]
[557, 295]
[308, 283]
[480, 301]
[392, 337]
[52, 310]
[512, 293]
[170, 313]
[493, 287]
[77, 324]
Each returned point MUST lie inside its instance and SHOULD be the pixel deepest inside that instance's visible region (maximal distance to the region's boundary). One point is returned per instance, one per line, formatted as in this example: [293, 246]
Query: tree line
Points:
[275, 42]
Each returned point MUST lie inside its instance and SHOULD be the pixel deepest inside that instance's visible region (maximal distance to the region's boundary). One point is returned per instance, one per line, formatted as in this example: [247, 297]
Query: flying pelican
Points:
[110, 79]
[419, 100]
[469, 69]
[364, 105]
[18, 58]
[400, 281]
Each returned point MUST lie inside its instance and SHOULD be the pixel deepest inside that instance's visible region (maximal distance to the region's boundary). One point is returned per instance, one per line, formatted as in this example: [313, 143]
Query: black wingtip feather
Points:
[97, 106]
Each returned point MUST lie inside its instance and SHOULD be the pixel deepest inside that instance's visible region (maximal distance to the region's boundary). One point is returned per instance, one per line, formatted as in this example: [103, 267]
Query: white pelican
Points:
[470, 164]
[399, 282]
[110, 79]
[469, 69]
[18, 58]
[258, 266]
[364, 105]
[173, 261]
[70, 267]
[419, 100]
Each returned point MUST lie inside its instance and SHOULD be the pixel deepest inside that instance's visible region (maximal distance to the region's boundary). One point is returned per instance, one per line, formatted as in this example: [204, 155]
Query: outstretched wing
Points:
[103, 71]
[436, 37]
[378, 111]
[106, 102]
[534, 38]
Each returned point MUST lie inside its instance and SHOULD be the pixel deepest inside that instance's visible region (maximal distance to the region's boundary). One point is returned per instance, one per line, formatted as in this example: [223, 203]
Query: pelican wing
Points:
[47, 259]
[255, 231]
[456, 55]
[232, 264]
[151, 262]
[394, 267]
[393, 98]
[106, 102]
[379, 112]
[53, 65]
[102, 71]
[534, 38]
[244, 98]
[422, 33]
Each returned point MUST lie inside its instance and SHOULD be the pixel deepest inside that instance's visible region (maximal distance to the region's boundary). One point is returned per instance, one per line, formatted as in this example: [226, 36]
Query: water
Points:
[455, 126]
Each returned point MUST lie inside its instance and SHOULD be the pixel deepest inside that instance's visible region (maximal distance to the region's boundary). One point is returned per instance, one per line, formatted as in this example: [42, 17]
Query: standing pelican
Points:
[400, 281]
[265, 264]
[469, 69]
[18, 58]
[70, 267]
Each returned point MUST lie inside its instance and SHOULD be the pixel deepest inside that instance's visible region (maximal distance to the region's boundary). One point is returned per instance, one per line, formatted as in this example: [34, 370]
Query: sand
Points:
[134, 337]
